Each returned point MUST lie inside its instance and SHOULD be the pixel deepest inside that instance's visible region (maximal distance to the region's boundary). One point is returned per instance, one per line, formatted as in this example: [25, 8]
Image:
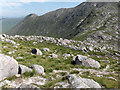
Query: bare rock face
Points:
[78, 82]
[85, 61]
[36, 51]
[8, 66]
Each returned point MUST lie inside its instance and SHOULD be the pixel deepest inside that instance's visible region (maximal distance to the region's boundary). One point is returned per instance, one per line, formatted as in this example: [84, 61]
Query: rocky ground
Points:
[46, 62]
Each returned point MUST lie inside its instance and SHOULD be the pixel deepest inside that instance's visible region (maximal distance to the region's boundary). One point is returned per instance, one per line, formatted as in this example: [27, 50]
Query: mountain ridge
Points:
[82, 22]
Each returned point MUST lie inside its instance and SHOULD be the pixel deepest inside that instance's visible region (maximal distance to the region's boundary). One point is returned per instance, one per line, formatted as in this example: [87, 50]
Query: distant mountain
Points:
[8, 23]
[92, 22]
[2, 18]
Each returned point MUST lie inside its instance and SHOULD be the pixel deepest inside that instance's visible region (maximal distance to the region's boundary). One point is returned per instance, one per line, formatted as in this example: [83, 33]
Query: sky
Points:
[21, 8]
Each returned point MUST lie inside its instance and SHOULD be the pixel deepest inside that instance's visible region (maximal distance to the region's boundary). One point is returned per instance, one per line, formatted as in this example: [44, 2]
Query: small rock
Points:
[19, 57]
[54, 55]
[45, 49]
[66, 55]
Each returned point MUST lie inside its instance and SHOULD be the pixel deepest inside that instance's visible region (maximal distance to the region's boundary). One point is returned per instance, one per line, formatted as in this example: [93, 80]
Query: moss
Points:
[29, 74]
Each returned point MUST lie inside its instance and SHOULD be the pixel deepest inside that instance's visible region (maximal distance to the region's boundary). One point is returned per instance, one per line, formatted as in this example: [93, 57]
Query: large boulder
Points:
[8, 66]
[23, 69]
[38, 69]
[85, 61]
[79, 82]
[36, 51]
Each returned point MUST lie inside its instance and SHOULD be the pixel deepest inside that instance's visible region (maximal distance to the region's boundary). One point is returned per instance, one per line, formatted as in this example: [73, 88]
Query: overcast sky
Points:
[21, 8]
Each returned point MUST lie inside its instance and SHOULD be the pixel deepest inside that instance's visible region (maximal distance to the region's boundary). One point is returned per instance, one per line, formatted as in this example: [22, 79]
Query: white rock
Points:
[36, 51]
[54, 55]
[86, 61]
[24, 69]
[8, 66]
[78, 82]
[45, 49]
[91, 48]
[39, 69]
[66, 55]
[15, 46]
[19, 57]
[4, 83]
[9, 41]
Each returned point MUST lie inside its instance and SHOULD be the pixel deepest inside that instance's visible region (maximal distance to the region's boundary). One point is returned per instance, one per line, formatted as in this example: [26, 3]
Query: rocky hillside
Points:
[67, 23]
[96, 23]
[85, 57]
[46, 62]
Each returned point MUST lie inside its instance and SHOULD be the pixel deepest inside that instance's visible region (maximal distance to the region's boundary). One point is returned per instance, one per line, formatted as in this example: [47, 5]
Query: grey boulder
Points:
[23, 69]
[36, 51]
[38, 69]
[85, 61]
[78, 82]
[8, 66]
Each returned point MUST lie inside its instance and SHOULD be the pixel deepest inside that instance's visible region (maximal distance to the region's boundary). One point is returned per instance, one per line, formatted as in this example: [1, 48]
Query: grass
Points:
[60, 63]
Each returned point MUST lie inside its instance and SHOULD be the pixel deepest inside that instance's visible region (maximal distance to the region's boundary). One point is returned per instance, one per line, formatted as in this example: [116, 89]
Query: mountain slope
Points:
[84, 21]
[8, 23]
[59, 23]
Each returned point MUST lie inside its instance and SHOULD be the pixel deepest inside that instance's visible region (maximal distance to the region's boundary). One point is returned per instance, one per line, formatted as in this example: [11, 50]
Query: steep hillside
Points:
[89, 22]
[59, 23]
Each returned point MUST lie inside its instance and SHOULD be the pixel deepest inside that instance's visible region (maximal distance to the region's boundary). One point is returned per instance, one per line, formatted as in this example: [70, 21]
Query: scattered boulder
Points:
[107, 61]
[15, 46]
[79, 82]
[85, 61]
[63, 84]
[36, 51]
[45, 49]
[11, 52]
[10, 41]
[19, 57]
[5, 82]
[91, 48]
[8, 66]
[66, 55]
[38, 69]
[23, 69]
[54, 55]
